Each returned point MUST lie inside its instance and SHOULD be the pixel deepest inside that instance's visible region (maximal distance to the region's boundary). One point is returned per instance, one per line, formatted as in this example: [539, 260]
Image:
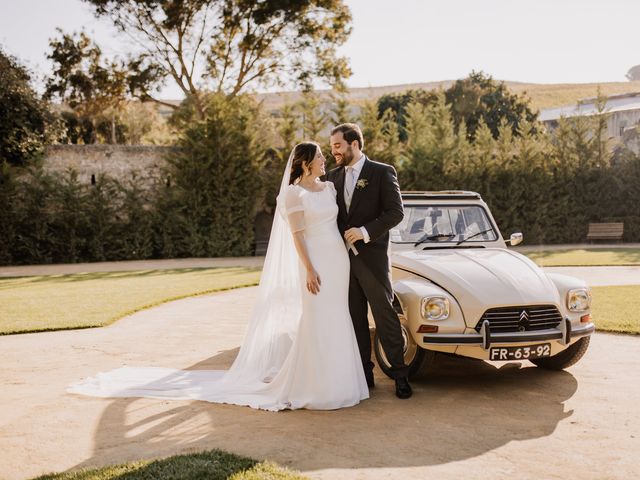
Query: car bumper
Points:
[565, 333]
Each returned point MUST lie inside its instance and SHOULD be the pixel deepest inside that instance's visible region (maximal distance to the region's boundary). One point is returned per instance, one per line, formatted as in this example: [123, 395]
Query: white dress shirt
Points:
[357, 168]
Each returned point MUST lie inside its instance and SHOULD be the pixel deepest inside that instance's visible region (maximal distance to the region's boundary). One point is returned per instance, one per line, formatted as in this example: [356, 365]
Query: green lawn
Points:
[212, 465]
[32, 304]
[56, 302]
[586, 257]
[617, 309]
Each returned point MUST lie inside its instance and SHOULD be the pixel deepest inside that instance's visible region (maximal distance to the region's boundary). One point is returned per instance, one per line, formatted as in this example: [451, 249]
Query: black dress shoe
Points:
[403, 389]
[369, 377]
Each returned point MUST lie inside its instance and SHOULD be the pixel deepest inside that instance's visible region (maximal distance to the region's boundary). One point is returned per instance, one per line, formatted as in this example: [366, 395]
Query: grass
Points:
[211, 465]
[617, 309]
[59, 302]
[586, 257]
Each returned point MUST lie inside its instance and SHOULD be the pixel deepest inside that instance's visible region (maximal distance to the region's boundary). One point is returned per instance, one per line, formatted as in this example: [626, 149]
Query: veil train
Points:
[267, 341]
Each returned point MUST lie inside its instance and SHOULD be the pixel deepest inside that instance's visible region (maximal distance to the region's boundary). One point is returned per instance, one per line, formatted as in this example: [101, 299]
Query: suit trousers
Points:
[370, 282]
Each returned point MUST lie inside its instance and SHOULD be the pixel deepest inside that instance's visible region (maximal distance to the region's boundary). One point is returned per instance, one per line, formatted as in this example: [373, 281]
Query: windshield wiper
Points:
[475, 235]
[426, 237]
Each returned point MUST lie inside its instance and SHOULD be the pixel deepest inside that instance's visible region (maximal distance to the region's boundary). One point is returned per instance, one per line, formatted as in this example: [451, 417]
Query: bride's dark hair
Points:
[303, 154]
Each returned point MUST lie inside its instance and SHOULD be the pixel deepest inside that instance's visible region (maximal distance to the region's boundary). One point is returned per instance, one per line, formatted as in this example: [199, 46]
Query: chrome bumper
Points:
[565, 333]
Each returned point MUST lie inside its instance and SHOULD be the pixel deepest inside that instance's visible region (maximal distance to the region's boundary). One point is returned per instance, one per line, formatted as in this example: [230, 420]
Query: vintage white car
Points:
[459, 290]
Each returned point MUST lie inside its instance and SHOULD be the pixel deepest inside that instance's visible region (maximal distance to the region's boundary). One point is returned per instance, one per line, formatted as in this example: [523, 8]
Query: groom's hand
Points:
[353, 235]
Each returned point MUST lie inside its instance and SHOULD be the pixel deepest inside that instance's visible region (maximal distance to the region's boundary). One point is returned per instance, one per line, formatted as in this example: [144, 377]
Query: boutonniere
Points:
[362, 184]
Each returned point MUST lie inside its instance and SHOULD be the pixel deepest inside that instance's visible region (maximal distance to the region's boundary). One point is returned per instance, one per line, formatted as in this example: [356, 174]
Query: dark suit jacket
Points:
[376, 206]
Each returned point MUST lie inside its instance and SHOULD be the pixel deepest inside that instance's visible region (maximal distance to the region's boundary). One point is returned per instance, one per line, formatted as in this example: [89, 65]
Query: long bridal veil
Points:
[278, 306]
[267, 341]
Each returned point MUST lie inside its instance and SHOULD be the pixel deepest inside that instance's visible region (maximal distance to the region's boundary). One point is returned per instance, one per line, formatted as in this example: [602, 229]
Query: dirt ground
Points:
[471, 420]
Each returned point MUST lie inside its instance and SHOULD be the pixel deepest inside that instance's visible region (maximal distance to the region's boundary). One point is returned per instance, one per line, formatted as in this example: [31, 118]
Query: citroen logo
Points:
[523, 322]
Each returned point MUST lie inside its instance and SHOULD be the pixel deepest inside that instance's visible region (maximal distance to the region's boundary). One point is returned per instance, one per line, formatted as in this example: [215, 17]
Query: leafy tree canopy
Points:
[26, 123]
[397, 104]
[232, 45]
[481, 97]
[471, 99]
[95, 88]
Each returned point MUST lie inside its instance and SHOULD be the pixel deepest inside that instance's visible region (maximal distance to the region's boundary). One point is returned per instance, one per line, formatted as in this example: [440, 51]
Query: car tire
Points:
[566, 358]
[416, 358]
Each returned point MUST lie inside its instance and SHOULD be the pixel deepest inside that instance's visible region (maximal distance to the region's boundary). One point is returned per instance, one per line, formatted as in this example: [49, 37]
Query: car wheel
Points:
[415, 357]
[565, 358]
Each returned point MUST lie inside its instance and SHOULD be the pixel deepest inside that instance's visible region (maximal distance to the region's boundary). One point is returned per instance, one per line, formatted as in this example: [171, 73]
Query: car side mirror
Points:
[516, 238]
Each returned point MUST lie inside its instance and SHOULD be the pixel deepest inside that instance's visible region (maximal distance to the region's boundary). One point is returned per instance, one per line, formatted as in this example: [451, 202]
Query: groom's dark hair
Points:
[351, 133]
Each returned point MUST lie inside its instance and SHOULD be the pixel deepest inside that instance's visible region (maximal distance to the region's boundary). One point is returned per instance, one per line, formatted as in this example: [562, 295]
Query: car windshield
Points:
[444, 224]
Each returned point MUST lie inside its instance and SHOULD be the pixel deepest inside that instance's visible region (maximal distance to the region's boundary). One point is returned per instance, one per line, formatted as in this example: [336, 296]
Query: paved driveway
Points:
[471, 420]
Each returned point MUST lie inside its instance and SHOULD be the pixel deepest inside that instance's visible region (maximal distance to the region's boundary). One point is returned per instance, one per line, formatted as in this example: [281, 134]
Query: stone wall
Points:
[119, 161]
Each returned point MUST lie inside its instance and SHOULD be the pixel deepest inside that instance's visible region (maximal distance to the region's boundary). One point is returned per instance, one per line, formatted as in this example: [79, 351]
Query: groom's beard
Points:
[346, 158]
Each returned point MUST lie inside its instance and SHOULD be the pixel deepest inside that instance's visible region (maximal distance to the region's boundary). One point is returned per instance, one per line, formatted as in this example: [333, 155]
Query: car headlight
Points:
[435, 308]
[579, 299]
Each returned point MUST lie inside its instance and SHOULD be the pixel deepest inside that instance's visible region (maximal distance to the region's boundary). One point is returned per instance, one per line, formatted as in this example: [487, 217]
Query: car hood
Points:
[481, 278]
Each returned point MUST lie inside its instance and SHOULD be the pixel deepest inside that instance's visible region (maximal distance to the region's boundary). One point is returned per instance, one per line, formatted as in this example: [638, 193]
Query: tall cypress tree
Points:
[314, 119]
[216, 176]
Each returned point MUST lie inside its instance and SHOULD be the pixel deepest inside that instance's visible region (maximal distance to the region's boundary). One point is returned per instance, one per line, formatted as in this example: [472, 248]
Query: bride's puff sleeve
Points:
[295, 209]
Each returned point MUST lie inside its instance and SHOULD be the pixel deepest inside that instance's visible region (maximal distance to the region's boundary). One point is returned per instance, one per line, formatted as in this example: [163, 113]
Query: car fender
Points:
[411, 291]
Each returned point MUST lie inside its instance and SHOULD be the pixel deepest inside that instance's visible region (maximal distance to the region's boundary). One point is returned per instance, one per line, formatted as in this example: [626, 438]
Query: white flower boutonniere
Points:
[362, 184]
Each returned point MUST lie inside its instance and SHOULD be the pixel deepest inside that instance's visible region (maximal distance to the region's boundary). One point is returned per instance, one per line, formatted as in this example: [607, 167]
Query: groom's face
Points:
[341, 150]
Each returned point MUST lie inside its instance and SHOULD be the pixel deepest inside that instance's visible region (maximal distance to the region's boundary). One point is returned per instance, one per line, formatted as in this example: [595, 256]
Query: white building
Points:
[623, 113]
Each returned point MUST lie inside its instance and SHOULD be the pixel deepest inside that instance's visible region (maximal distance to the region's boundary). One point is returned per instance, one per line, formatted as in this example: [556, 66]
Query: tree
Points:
[341, 110]
[90, 85]
[230, 45]
[477, 96]
[397, 104]
[142, 124]
[216, 181]
[480, 96]
[288, 128]
[431, 146]
[8, 230]
[633, 74]
[26, 123]
[381, 136]
[314, 118]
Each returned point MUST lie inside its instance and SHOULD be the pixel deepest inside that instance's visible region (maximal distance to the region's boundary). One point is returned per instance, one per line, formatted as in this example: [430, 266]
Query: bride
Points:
[300, 350]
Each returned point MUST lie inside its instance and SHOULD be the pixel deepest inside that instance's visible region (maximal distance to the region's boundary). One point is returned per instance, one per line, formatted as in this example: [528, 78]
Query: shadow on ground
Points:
[464, 408]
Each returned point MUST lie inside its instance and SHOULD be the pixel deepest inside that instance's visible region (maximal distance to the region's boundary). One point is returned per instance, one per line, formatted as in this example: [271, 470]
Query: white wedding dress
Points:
[300, 350]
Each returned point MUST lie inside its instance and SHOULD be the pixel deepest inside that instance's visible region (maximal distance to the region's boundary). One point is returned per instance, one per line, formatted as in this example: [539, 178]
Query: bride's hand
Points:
[313, 281]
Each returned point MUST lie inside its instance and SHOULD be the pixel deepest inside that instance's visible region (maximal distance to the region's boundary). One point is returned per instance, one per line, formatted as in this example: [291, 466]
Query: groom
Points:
[369, 205]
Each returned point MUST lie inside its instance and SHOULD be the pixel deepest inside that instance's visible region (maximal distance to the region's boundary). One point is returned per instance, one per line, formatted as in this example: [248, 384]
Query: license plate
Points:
[520, 353]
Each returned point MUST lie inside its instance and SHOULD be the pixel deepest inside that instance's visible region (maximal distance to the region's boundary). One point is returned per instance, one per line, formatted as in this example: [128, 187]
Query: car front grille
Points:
[521, 318]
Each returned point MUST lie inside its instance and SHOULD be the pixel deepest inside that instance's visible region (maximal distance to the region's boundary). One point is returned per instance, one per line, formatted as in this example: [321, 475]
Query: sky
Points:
[411, 41]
